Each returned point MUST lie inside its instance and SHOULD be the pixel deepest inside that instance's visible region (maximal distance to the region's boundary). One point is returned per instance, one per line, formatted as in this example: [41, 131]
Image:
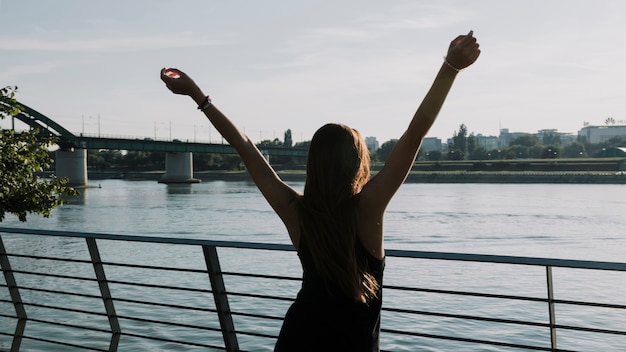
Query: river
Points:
[566, 221]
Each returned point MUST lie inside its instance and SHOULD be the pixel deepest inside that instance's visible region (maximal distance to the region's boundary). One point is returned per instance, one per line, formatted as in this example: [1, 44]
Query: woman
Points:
[336, 225]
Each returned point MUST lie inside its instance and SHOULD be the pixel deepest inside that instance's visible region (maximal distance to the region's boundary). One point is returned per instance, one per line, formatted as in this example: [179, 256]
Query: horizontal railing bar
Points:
[504, 259]
[150, 239]
[60, 292]
[465, 317]
[63, 343]
[8, 316]
[256, 334]
[586, 329]
[68, 325]
[63, 309]
[39, 257]
[566, 263]
[59, 276]
[167, 305]
[152, 267]
[254, 295]
[154, 321]
[188, 289]
[590, 304]
[476, 341]
[187, 343]
[252, 315]
[262, 276]
[467, 293]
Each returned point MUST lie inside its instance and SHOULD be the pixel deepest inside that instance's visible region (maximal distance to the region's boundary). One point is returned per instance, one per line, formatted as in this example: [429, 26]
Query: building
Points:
[430, 144]
[545, 136]
[506, 137]
[599, 134]
[488, 142]
[371, 143]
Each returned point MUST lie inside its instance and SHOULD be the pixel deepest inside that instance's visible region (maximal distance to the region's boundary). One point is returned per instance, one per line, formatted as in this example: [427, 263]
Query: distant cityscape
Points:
[591, 134]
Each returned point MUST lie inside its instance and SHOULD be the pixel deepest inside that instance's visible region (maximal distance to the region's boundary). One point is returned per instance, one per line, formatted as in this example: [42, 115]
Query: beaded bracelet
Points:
[205, 105]
[445, 61]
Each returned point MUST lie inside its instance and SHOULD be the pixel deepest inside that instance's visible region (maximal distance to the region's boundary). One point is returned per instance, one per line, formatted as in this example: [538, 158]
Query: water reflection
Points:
[179, 188]
[79, 199]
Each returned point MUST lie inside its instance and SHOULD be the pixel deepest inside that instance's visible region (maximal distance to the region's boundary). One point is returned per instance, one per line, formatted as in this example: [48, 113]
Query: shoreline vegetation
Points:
[588, 171]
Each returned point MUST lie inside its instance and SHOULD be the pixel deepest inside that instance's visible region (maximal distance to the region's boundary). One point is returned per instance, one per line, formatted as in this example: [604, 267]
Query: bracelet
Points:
[445, 61]
[205, 105]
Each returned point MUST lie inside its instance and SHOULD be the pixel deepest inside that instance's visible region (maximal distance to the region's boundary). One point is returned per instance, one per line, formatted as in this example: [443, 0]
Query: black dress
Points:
[318, 321]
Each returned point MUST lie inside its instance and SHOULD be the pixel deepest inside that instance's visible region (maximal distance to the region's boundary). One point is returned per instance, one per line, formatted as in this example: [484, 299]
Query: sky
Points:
[93, 66]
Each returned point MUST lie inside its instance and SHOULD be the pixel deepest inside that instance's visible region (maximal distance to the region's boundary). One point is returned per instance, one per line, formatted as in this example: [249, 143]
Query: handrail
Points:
[232, 323]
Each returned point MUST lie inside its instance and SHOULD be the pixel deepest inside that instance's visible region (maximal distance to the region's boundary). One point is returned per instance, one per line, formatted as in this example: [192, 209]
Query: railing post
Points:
[551, 308]
[221, 299]
[15, 297]
[105, 293]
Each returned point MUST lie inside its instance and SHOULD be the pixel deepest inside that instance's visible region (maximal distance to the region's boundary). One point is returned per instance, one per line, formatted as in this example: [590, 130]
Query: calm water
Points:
[538, 220]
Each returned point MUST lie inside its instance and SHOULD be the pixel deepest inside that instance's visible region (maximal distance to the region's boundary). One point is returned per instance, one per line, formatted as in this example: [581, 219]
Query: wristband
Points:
[205, 105]
[445, 61]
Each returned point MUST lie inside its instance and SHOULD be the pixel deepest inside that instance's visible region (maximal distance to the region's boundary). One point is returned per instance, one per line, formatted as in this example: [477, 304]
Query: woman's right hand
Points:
[179, 83]
[463, 51]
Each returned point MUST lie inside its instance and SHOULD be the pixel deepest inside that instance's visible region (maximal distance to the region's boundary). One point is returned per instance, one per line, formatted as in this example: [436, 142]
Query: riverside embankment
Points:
[413, 177]
[592, 170]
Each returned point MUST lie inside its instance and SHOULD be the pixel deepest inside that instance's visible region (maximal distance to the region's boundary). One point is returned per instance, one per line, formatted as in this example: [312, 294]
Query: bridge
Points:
[71, 158]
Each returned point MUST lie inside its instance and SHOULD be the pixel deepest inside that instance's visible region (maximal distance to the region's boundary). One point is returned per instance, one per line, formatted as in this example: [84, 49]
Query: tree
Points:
[288, 142]
[574, 150]
[550, 152]
[518, 151]
[551, 139]
[527, 140]
[385, 149]
[479, 153]
[456, 154]
[459, 146]
[434, 155]
[22, 155]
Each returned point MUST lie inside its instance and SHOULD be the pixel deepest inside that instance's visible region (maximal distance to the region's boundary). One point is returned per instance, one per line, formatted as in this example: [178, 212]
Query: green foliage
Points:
[434, 155]
[385, 149]
[22, 155]
[550, 152]
[288, 140]
[527, 140]
[574, 150]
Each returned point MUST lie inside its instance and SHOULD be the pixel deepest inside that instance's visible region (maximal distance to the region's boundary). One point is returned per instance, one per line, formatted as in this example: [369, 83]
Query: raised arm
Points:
[278, 194]
[463, 52]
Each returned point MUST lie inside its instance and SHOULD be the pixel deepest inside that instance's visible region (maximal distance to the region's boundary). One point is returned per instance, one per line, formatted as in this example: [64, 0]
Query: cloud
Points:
[106, 44]
[416, 16]
[12, 73]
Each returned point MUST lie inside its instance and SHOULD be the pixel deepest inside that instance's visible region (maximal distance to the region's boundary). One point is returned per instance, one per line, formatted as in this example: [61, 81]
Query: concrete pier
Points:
[178, 168]
[72, 164]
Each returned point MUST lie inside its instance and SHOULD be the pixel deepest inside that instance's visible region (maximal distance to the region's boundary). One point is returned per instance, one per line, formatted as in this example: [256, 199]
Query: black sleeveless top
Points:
[323, 321]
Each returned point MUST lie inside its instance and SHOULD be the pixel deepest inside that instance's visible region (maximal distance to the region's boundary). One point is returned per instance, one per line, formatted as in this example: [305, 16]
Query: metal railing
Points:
[104, 312]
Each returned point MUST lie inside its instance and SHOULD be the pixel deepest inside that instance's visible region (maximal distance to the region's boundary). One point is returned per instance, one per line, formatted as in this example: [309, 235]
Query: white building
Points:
[371, 143]
[430, 144]
[488, 142]
[599, 134]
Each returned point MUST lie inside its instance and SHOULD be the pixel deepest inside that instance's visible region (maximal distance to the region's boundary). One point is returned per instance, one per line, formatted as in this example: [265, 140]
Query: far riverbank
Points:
[588, 177]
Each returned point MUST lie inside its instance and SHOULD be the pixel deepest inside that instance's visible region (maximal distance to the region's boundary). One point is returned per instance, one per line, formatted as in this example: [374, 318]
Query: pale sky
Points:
[282, 64]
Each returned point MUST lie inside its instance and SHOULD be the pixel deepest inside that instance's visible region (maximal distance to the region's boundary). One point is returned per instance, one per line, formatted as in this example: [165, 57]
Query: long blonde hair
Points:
[338, 166]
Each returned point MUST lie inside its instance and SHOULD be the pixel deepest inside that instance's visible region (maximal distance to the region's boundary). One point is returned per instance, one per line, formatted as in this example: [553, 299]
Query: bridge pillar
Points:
[72, 164]
[178, 168]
